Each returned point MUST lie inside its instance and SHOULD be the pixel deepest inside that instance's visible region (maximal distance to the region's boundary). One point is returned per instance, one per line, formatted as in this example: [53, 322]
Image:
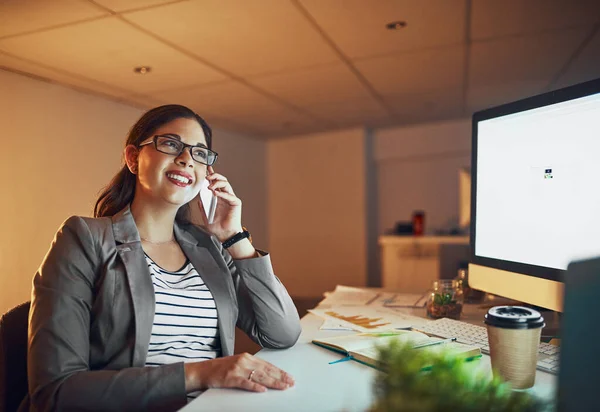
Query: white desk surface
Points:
[345, 386]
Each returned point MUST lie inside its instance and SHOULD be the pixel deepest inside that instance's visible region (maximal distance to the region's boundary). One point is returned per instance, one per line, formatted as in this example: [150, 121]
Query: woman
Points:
[136, 308]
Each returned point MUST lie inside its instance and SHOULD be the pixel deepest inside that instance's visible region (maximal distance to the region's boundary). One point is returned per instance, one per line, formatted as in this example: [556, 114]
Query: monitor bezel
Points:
[542, 100]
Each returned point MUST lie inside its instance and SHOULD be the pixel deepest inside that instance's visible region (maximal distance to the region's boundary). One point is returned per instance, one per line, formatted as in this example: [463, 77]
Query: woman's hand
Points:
[228, 215]
[235, 372]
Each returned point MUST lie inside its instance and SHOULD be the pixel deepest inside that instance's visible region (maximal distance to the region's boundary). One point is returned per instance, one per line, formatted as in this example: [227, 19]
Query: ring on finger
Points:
[251, 373]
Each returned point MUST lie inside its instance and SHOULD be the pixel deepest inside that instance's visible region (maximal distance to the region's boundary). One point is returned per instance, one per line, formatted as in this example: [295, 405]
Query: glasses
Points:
[171, 146]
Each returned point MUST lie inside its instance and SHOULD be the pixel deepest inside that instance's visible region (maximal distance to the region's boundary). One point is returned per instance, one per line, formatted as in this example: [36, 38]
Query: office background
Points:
[330, 127]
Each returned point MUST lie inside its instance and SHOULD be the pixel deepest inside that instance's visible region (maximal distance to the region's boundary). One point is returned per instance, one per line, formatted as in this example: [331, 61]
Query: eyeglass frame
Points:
[185, 145]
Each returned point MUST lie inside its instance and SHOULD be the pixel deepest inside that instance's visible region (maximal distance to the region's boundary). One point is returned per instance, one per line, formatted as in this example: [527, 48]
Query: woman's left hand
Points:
[228, 215]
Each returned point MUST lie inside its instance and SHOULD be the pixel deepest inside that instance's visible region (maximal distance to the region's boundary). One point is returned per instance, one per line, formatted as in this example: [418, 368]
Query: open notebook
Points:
[362, 347]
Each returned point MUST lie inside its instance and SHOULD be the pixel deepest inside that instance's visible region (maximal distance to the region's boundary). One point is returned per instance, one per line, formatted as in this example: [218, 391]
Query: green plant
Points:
[420, 380]
[443, 299]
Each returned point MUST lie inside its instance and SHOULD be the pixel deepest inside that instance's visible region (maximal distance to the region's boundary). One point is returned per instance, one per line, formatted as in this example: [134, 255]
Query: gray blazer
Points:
[92, 311]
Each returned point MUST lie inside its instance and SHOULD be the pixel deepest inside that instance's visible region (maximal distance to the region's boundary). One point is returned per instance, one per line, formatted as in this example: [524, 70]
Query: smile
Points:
[178, 179]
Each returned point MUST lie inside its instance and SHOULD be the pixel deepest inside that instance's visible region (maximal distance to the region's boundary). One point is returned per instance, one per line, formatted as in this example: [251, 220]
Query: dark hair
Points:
[119, 192]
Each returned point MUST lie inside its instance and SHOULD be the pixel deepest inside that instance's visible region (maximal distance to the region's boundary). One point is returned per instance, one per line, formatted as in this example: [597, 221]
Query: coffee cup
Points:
[514, 334]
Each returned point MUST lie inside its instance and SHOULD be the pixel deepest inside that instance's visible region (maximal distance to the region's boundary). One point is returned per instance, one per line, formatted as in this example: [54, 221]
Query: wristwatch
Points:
[237, 237]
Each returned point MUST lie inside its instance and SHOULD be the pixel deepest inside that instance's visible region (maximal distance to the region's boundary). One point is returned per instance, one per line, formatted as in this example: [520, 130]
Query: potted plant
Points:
[419, 380]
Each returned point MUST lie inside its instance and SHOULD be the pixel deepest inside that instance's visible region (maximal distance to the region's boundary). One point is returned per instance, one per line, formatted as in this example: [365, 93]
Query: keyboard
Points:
[474, 335]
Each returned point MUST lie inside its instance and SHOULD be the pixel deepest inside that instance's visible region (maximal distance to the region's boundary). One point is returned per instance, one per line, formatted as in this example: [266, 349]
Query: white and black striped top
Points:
[185, 320]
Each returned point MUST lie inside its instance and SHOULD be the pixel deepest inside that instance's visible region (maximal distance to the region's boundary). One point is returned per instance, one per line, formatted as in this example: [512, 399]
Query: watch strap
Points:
[235, 238]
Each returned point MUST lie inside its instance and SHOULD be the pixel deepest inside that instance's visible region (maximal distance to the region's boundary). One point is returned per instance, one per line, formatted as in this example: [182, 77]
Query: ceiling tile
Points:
[143, 101]
[415, 72]
[586, 65]
[427, 107]
[502, 70]
[358, 27]
[56, 76]
[123, 5]
[314, 86]
[356, 112]
[235, 101]
[107, 50]
[493, 18]
[242, 37]
[518, 49]
[21, 16]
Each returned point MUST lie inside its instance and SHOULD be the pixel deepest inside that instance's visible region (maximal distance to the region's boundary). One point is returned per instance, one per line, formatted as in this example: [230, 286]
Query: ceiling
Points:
[274, 68]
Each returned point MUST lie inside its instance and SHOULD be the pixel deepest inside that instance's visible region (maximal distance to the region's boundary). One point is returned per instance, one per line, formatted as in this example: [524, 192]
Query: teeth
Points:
[178, 178]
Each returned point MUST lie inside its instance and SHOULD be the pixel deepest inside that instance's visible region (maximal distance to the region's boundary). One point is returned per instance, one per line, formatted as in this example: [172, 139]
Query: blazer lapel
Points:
[130, 250]
[217, 281]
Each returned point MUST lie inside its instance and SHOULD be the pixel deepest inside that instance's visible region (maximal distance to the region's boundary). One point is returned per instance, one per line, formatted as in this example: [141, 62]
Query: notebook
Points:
[362, 347]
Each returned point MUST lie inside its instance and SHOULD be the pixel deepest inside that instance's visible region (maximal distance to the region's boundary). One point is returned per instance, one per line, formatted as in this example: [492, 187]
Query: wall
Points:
[417, 168]
[316, 206]
[324, 216]
[244, 162]
[307, 199]
[59, 148]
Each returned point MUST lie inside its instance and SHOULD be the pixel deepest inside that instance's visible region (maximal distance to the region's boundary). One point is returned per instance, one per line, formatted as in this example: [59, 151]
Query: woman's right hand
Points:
[235, 372]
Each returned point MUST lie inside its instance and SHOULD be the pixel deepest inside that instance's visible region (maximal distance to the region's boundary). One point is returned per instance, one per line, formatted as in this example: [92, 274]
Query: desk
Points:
[345, 386]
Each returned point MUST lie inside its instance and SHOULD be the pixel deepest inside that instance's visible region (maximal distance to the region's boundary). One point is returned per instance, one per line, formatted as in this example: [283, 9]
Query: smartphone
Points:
[209, 201]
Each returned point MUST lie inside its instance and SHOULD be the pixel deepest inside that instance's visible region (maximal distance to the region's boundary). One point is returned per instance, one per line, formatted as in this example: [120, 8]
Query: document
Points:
[352, 296]
[347, 295]
[405, 300]
[329, 324]
[366, 318]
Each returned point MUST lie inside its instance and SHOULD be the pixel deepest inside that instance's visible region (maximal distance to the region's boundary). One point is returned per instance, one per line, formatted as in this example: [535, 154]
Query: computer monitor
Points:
[535, 193]
[464, 198]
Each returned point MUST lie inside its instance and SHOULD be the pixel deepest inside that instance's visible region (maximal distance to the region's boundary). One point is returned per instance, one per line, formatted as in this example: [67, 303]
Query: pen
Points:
[437, 342]
[373, 299]
[383, 334]
[347, 358]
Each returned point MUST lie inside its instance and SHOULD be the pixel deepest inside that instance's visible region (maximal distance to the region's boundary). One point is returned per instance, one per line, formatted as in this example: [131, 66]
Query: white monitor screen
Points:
[538, 184]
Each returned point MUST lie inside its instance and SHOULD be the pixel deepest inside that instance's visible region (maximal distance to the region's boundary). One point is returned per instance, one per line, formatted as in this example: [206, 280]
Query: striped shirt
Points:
[185, 320]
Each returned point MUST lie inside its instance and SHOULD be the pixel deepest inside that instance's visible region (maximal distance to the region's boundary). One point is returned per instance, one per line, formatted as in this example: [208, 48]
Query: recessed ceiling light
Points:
[396, 25]
[142, 69]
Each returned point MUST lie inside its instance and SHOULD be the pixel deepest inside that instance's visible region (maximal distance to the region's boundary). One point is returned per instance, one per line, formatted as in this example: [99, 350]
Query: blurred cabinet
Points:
[411, 263]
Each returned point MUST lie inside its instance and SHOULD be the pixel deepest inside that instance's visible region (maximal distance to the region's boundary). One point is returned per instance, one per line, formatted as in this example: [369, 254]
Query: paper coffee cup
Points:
[514, 337]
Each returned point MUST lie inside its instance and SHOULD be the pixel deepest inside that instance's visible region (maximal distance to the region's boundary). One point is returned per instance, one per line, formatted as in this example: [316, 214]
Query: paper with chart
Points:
[333, 324]
[365, 318]
[346, 296]
[353, 296]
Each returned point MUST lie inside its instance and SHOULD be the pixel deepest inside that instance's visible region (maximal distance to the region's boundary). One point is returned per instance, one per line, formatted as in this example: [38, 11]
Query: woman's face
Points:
[159, 175]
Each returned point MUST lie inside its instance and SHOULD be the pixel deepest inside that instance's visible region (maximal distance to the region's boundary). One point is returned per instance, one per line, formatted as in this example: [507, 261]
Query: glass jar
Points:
[463, 281]
[446, 300]
[470, 295]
